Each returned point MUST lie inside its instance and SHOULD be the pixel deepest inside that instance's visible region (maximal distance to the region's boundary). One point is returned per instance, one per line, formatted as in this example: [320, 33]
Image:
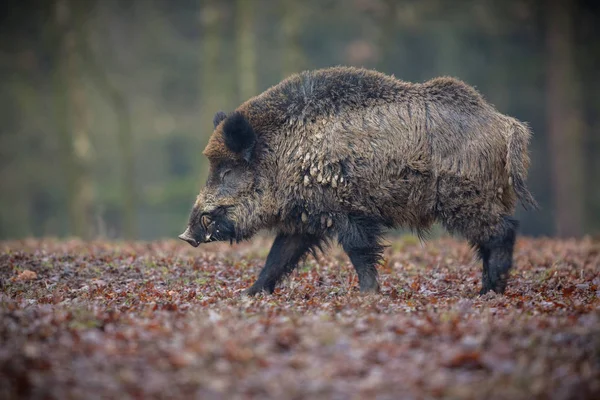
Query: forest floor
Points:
[138, 320]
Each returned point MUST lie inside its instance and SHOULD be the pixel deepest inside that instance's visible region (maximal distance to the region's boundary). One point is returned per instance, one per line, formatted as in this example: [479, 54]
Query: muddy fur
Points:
[343, 153]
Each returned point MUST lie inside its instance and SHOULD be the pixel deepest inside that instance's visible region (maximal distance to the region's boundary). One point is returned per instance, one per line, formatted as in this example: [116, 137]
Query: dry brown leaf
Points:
[26, 275]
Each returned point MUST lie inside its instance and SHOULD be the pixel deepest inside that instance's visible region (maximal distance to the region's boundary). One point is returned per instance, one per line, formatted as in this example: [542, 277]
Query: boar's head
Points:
[230, 185]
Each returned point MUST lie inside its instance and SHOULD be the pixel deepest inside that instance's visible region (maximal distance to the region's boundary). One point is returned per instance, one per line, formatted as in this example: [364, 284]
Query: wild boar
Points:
[345, 153]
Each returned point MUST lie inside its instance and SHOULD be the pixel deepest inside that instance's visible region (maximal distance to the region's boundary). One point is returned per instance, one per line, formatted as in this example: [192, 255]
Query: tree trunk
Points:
[291, 24]
[386, 40]
[120, 105]
[246, 49]
[74, 122]
[212, 88]
[564, 121]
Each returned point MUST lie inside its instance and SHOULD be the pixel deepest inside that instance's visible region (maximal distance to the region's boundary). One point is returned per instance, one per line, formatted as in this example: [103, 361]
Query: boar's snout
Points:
[187, 237]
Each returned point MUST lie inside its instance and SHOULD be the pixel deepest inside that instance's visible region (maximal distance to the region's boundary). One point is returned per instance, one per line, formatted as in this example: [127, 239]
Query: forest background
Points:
[107, 105]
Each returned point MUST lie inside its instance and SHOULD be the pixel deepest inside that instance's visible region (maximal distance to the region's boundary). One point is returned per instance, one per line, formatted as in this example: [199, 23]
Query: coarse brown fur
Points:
[344, 153]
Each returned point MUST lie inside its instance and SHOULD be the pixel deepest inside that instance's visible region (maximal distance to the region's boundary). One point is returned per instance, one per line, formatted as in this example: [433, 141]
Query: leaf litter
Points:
[145, 320]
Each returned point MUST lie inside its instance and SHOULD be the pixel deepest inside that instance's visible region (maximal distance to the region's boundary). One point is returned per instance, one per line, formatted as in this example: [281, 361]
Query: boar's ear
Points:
[219, 116]
[239, 135]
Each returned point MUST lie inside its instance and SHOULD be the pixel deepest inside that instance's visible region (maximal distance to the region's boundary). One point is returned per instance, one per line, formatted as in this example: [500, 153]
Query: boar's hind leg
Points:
[286, 252]
[360, 240]
[496, 254]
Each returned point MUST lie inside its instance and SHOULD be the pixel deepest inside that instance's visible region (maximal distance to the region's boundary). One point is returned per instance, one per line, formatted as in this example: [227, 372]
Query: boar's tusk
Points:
[209, 232]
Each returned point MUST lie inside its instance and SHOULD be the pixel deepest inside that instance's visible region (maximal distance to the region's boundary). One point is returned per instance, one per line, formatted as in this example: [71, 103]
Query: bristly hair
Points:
[238, 133]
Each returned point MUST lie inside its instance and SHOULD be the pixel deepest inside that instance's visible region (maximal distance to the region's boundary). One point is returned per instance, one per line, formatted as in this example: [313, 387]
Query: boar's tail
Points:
[518, 162]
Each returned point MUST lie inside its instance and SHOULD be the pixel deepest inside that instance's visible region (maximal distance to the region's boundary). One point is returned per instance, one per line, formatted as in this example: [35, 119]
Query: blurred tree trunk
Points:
[74, 121]
[564, 120]
[121, 108]
[500, 76]
[291, 24]
[388, 45]
[211, 45]
[246, 49]
[120, 105]
[212, 92]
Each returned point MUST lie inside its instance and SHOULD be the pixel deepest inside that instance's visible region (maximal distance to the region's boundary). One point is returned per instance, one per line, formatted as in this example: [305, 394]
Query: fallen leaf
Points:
[26, 275]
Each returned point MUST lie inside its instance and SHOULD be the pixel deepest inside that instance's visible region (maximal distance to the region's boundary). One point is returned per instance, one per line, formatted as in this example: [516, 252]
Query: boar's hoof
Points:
[499, 289]
[370, 288]
[256, 289]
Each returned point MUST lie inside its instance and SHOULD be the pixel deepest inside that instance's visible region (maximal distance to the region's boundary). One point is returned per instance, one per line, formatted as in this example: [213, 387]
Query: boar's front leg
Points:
[360, 239]
[286, 252]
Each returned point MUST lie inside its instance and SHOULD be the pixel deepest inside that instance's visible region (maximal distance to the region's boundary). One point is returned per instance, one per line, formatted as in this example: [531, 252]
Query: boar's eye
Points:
[224, 173]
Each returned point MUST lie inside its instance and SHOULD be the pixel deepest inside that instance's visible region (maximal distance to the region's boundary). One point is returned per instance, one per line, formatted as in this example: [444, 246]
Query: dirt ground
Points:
[157, 320]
